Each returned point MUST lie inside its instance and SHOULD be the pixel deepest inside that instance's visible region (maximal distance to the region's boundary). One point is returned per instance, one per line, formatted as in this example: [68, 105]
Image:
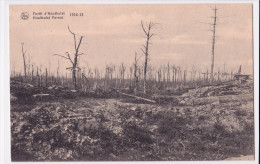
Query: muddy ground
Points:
[205, 123]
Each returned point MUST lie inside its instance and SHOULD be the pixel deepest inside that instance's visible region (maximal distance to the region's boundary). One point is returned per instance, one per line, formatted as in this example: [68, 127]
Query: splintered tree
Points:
[74, 61]
[24, 62]
[213, 44]
[136, 73]
[148, 34]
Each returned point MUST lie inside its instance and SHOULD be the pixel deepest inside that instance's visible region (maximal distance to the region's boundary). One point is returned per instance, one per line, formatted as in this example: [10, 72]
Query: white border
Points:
[5, 156]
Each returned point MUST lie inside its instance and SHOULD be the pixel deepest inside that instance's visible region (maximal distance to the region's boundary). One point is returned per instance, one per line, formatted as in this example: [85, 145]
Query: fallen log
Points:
[140, 98]
[40, 95]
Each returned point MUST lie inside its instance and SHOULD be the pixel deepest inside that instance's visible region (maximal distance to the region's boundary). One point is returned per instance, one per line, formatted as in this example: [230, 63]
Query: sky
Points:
[113, 33]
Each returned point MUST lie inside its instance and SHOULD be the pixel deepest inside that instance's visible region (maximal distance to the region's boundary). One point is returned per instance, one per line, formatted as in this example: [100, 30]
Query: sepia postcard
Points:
[132, 82]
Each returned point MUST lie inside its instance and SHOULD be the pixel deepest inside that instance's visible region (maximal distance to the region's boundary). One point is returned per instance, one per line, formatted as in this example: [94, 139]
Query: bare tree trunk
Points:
[74, 79]
[239, 70]
[41, 75]
[135, 74]
[46, 77]
[38, 77]
[168, 72]
[213, 46]
[218, 75]
[146, 47]
[52, 80]
[175, 76]
[184, 76]
[207, 77]
[24, 61]
[159, 75]
[58, 67]
[122, 71]
[131, 75]
[32, 75]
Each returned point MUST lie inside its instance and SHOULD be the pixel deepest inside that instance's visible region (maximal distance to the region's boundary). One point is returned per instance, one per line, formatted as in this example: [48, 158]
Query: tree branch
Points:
[143, 50]
[79, 43]
[151, 35]
[143, 28]
[74, 35]
[140, 57]
[70, 31]
[60, 56]
[152, 24]
[81, 54]
[64, 57]
[69, 57]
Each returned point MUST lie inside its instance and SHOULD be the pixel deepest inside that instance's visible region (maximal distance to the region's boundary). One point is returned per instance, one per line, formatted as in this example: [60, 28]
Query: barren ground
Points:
[207, 123]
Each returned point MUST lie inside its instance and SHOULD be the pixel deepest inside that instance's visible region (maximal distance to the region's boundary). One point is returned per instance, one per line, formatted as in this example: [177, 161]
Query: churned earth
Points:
[205, 123]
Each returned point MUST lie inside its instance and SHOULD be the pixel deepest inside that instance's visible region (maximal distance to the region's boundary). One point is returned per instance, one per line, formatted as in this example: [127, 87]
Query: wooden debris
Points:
[40, 95]
[140, 98]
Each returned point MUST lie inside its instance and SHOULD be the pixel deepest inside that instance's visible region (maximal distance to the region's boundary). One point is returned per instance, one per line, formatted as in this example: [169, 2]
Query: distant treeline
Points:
[123, 77]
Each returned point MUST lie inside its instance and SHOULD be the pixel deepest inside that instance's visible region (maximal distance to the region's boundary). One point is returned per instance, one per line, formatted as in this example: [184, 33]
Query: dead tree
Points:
[150, 73]
[130, 75]
[179, 75]
[207, 76]
[239, 70]
[213, 45]
[164, 69]
[38, 76]
[24, 62]
[148, 34]
[74, 61]
[159, 75]
[28, 66]
[46, 77]
[184, 77]
[193, 78]
[173, 74]
[32, 74]
[58, 68]
[218, 75]
[111, 71]
[122, 69]
[168, 72]
[136, 73]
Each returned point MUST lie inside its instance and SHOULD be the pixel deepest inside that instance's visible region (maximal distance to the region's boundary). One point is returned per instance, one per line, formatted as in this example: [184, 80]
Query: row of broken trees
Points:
[137, 77]
[121, 77]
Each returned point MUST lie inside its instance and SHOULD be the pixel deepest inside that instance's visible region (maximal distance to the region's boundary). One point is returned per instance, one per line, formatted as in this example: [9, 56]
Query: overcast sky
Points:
[113, 34]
